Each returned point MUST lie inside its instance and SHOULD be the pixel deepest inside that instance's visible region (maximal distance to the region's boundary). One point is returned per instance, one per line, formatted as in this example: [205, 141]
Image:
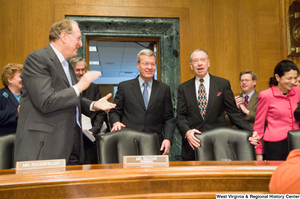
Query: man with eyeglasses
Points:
[246, 102]
[202, 102]
[96, 121]
[145, 104]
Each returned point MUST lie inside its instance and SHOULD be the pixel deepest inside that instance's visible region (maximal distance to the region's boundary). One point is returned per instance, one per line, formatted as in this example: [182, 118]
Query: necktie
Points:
[67, 72]
[145, 94]
[202, 100]
[246, 101]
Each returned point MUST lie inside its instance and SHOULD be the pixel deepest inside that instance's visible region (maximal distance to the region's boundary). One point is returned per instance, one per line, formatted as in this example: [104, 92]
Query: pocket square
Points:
[219, 93]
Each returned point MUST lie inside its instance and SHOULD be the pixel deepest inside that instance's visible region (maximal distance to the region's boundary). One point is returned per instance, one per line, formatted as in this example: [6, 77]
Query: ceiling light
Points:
[110, 63]
[94, 62]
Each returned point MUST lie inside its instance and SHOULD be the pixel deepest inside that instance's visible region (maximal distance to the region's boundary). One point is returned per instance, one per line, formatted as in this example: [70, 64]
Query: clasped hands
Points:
[240, 105]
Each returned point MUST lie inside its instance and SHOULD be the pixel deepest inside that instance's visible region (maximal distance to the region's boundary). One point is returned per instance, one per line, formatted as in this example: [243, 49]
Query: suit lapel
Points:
[72, 73]
[213, 92]
[57, 64]
[136, 89]
[253, 100]
[154, 92]
[11, 96]
[193, 97]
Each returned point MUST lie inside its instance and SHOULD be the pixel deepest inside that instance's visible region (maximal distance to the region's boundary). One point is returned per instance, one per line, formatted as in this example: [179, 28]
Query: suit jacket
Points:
[8, 112]
[278, 110]
[252, 106]
[221, 99]
[130, 110]
[47, 126]
[97, 117]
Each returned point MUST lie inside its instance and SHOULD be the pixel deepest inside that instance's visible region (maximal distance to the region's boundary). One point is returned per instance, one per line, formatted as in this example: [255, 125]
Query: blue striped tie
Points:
[145, 94]
[67, 71]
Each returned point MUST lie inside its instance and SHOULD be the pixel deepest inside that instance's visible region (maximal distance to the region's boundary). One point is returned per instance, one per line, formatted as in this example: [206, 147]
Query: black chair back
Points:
[112, 146]
[7, 151]
[225, 144]
[294, 139]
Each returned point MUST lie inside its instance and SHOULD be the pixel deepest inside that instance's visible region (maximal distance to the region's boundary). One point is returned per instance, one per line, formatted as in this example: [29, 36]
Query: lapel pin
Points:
[5, 94]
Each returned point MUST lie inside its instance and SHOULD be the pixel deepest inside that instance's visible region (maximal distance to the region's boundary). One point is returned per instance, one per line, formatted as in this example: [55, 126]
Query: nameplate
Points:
[40, 164]
[145, 161]
[41, 170]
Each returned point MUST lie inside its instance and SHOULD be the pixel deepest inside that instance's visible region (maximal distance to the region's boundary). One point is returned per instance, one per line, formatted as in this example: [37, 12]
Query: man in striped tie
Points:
[246, 102]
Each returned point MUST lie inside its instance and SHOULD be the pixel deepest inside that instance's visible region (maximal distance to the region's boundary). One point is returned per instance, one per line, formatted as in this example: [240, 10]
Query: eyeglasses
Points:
[245, 80]
[147, 64]
[201, 60]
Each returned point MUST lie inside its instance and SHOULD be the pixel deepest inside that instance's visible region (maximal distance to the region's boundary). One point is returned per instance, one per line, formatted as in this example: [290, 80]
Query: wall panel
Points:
[238, 35]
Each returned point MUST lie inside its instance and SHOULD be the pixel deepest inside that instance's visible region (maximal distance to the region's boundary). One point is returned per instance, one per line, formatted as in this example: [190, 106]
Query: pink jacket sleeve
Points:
[261, 114]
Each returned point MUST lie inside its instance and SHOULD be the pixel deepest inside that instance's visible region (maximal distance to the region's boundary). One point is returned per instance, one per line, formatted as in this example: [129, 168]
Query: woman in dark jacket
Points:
[10, 98]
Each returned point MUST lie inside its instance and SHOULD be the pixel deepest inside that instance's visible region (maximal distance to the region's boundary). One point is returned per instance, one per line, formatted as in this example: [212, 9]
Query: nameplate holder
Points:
[144, 161]
[41, 164]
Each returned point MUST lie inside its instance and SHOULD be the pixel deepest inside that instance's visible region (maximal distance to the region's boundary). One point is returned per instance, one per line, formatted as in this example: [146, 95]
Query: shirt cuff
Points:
[92, 105]
[76, 90]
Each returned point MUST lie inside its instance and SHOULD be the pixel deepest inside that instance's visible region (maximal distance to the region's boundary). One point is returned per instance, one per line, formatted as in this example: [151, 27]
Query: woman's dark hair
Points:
[281, 68]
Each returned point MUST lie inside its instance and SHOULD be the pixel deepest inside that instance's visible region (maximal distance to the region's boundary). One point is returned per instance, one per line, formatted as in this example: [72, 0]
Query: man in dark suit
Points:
[214, 97]
[96, 119]
[49, 118]
[154, 112]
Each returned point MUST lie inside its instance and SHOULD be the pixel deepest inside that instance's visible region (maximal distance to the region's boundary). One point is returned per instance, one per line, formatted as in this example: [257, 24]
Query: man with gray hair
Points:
[201, 105]
[145, 104]
[96, 120]
[49, 120]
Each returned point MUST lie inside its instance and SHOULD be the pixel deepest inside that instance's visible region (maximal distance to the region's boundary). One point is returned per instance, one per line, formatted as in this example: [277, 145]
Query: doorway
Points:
[115, 58]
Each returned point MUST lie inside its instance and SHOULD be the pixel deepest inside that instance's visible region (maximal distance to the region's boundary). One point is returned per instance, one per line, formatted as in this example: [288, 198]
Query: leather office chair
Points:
[294, 139]
[225, 144]
[111, 147]
[7, 151]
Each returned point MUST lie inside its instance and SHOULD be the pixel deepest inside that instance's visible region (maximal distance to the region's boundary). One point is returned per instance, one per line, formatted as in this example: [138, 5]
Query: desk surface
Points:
[195, 179]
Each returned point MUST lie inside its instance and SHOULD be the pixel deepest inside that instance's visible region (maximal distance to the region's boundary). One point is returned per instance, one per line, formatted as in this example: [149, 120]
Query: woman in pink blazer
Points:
[277, 105]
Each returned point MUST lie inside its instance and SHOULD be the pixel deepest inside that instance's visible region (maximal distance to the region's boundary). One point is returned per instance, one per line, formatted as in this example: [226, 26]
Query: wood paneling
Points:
[285, 7]
[238, 34]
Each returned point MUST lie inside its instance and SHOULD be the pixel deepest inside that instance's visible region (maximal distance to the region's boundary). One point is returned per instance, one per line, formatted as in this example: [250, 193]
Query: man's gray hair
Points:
[145, 52]
[76, 60]
[201, 50]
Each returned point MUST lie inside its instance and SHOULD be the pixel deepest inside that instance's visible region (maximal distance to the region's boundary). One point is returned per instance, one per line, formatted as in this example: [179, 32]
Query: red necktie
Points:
[246, 101]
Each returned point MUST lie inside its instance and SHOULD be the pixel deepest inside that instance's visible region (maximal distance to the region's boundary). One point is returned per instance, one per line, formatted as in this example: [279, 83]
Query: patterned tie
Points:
[246, 101]
[145, 94]
[67, 72]
[202, 100]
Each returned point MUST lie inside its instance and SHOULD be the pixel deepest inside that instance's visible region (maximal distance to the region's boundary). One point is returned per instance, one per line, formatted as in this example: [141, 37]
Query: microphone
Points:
[41, 146]
[229, 143]
[136, 146]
